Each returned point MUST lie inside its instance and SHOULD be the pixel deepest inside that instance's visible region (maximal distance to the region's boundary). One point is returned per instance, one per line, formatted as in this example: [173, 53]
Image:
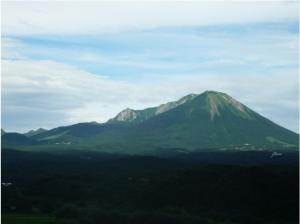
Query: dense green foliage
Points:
[92, 188]
[26, 219]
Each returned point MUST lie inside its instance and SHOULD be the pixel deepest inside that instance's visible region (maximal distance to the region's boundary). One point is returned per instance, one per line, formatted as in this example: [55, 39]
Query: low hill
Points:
[16, 140]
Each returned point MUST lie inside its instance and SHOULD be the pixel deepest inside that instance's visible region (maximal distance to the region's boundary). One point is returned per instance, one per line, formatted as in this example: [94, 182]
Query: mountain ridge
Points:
[211, 120]
[136, 116]
[35, 132]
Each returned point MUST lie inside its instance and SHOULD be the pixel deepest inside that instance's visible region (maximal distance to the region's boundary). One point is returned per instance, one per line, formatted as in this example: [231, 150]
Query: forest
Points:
[85, 187]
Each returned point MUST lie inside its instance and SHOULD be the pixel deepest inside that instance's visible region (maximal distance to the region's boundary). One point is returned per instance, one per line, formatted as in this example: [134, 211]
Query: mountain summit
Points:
[217, 102]
[196, 122]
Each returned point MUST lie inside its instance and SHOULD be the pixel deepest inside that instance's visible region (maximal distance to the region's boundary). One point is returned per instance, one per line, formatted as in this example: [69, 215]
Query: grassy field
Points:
[26, 219]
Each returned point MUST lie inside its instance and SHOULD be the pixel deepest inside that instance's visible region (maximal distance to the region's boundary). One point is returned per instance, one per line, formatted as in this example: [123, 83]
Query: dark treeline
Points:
[102, 188]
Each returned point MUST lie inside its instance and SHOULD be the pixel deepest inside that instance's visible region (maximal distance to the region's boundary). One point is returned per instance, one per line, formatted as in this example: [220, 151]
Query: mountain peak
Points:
[35, 132]
[126, 115]
[218, 101]
[212, 92]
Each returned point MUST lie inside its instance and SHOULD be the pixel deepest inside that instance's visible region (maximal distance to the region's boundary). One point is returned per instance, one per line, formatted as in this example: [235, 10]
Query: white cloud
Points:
[88, 18]
[9, 48]
[49, 94]
[51, 87]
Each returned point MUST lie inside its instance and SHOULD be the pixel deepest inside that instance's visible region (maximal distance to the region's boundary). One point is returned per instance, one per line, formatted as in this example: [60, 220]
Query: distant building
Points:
[276, 154]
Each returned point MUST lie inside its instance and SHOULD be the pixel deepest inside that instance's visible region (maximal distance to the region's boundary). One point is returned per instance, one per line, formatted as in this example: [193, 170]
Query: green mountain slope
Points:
[16, 139]
[208, 121]
[75, 133]
[212, 120]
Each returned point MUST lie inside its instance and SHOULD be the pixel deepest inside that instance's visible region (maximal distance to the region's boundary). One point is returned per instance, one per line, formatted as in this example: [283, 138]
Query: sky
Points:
[69, 62]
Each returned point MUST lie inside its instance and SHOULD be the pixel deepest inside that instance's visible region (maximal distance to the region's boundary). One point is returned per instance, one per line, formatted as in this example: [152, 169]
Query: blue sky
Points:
[173, 51]
[68, 72]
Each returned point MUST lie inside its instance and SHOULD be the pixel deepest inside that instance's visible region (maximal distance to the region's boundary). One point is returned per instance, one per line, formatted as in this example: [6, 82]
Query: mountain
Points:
[15, 139]
[35, 132]
[212, 120]
[76, 131]
[204, 122]
[2, 132]
[131, 116]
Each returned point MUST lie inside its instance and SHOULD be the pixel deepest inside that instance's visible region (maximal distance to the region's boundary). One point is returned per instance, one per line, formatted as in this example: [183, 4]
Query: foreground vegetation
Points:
[98, 188]
[17, 218]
